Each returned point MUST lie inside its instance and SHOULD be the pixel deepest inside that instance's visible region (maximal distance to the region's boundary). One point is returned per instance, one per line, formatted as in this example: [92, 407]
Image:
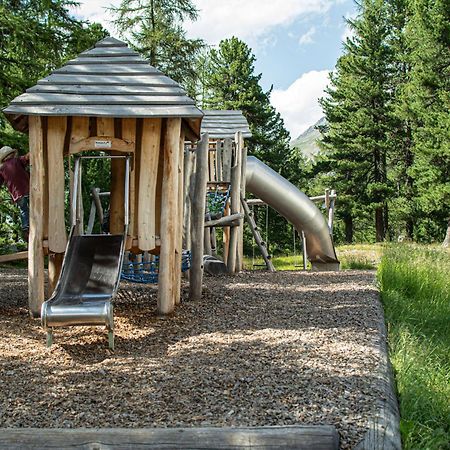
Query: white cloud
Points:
[249, 19]
[307, 38]
[299, 103]
[96, 11]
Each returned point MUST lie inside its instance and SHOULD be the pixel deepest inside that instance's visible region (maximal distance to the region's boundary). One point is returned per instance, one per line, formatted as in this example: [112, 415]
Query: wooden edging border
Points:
[320, 437]
[384, 424]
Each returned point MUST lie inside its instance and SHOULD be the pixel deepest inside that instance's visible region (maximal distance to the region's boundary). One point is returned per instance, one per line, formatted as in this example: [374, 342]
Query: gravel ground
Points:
[259, 349]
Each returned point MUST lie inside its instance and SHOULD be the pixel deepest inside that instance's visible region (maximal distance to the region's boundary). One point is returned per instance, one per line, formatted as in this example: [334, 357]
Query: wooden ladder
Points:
[257, 235]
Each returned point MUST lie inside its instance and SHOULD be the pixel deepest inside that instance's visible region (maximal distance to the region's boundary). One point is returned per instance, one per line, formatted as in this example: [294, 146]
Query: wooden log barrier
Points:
[298, 437]
[198, 218]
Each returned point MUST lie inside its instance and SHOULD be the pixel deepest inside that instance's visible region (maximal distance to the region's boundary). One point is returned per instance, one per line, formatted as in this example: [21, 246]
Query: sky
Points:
[296, 44]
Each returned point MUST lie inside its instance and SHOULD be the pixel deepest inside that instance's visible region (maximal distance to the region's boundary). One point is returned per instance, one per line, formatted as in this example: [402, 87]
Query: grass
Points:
[415, 289]
[359, 256]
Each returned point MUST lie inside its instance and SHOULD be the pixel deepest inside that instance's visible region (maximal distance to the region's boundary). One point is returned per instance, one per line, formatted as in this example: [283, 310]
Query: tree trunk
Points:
[348, 222]
[379, 224]
[446, 242]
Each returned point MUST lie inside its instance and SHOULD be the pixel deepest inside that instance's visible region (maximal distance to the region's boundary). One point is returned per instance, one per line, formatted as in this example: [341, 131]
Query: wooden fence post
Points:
[198, 219]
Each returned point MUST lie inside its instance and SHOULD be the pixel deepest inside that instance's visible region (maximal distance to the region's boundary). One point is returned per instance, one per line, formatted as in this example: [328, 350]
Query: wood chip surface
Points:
[260, 349]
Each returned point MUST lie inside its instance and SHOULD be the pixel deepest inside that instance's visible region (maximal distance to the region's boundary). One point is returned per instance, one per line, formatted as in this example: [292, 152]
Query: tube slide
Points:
[297, 208]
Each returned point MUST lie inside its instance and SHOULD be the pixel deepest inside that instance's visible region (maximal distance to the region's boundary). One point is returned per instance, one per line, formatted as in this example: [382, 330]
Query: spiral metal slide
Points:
[297, 208]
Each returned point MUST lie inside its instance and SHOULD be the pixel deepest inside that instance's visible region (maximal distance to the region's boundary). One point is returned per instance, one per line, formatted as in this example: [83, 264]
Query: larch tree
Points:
[155, 29]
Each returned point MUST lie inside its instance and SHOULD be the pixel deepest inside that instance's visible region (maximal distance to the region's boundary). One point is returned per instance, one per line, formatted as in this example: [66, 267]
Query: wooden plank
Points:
[146, 79]
[102, 143]
[36, 295]
[106, 90]
[56, 132]
[110, 110]
[299, 437]
[105, 126]
[132, 59]
[149, 162]
[78, 67]
[219, 162]
[14, 257]
[226, 159]
[167, 290]
[197, 219]
[50, 98]
[129, 135]
[80, 129]
[226, 234]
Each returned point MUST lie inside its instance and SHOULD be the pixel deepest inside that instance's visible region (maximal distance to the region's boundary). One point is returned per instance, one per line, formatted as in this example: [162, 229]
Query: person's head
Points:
[6, 152]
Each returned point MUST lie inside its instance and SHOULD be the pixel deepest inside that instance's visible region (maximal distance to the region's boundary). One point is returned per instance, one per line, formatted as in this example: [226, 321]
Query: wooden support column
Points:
[227, 155]
[55, 261]
[240, 250]
[167, 287]
[198, 218]
[36, 295]
[150, 153]
[235, 203]
[129, 134]
[189, 158]
[180, 215]
[56, 132]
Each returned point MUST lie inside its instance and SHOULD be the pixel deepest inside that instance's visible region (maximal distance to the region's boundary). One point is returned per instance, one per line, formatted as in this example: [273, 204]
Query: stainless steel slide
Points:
[90, 273]
[297, 208]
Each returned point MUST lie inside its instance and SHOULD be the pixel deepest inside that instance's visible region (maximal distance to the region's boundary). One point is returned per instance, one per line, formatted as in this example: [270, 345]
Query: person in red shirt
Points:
[14, 175]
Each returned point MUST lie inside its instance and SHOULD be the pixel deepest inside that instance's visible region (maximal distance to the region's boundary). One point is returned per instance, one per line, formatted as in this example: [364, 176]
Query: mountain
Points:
[307, 141]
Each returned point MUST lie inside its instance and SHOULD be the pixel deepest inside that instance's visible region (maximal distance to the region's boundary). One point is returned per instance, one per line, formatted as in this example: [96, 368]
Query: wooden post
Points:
[150, 150]
[226, 234]
[55, 261]
[235, 198]
[36, 295]
[219, 160]
[240, 251]
[207, 239]
[189, 158]
[56, 133]
[198, 218]
[167, 288]
[179, 216]
[226, 159]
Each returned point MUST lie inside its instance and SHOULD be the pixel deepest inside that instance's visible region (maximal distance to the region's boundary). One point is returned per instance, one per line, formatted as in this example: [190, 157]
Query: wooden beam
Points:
[149, 162]
[13, 257]
[226, 221]
[189, 158]
[56, 132]
[197, 219]
[227, 155]
[36, 295]
[167, 290]
[299, 437]
[103, 143]
[240, 249]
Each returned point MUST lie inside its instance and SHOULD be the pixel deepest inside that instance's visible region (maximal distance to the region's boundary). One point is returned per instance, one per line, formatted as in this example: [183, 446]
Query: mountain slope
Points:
[307, 141]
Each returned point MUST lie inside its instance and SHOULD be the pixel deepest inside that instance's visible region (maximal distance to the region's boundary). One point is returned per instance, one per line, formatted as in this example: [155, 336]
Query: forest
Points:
[385, 147]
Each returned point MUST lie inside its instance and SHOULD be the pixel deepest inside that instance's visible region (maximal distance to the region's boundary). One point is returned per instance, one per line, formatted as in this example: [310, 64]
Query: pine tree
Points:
[428, 37]
[358, 114]
[230, 82]
[154, 28]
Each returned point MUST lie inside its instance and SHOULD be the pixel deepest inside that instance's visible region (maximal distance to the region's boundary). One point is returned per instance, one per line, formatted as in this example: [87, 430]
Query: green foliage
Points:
[36, 36]
[154, 28]
[415, 290]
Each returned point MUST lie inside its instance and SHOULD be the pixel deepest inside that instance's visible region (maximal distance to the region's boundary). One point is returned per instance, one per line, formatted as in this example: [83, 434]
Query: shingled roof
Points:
[224, 124]
[109, 80]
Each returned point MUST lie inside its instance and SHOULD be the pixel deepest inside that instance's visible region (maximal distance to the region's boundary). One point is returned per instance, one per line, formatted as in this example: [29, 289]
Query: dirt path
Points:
[260, 349]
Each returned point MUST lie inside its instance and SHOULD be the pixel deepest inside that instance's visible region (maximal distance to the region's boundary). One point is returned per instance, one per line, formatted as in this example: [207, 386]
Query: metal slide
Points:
[90, 274]
[297, 208]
